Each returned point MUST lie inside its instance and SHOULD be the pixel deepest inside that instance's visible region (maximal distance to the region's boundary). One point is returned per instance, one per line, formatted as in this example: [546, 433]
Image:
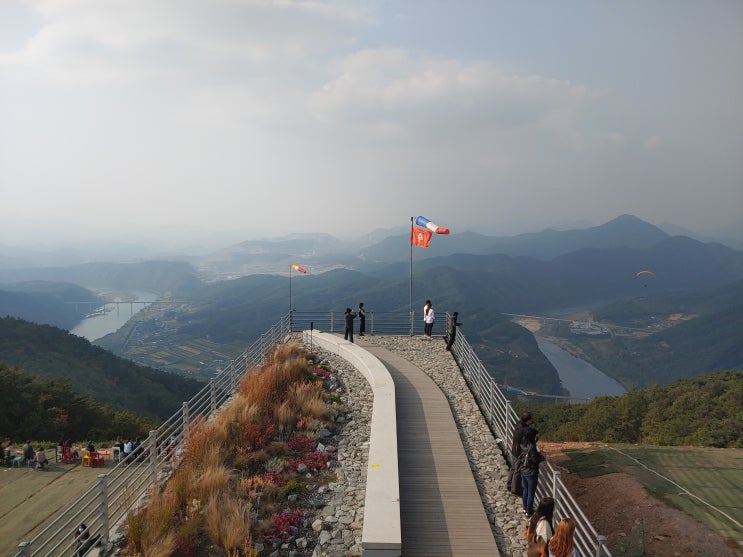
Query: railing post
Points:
[372, 324]
[600, 545]
[556, 491]
[507, 428]
[24, 549]
[153, 456]
[103, 506]
[332, 315]
[184, 411]
[213, 396]
[233, 382]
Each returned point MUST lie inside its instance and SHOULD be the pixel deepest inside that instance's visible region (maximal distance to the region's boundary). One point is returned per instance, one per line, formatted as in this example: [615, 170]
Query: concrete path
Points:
[441, 510]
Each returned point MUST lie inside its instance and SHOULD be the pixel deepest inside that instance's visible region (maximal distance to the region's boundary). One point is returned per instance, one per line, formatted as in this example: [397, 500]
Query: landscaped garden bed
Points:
[253, 480]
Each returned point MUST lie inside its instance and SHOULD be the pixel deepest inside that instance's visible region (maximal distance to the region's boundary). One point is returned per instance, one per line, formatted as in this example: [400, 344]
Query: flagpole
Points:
[410, 305]
[290, 297]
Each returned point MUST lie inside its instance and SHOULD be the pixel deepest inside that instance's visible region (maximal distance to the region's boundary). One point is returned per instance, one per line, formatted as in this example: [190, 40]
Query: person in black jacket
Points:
[362, 319]
[451, 329]
[349, 316]
[529, 461]
[513, 483]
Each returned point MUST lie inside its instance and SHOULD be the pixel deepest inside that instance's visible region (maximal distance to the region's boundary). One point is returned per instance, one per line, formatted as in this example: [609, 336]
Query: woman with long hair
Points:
[540, 526]
[562, 544]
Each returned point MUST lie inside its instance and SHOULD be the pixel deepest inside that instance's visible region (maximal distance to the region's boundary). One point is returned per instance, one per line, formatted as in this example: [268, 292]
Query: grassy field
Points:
[706, 483]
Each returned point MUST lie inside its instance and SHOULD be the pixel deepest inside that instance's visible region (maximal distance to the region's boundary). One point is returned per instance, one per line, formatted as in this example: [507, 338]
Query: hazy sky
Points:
[119, 119]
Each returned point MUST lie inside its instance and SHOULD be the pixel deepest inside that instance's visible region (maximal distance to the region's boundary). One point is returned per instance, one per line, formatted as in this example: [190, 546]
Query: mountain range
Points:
[482, 277]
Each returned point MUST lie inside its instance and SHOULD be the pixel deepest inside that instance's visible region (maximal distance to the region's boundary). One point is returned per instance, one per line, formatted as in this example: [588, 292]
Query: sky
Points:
[178, 120]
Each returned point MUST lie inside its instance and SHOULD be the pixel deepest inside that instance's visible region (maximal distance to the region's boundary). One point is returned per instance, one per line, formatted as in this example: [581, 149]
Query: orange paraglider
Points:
[645, 272]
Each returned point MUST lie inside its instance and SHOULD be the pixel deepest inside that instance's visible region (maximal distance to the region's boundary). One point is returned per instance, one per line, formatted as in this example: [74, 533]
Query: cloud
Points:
[652, 143]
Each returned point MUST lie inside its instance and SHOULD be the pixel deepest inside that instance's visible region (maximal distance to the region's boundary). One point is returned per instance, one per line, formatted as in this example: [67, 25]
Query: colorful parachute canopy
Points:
[423, 222]
[646, 272]
[298, 268]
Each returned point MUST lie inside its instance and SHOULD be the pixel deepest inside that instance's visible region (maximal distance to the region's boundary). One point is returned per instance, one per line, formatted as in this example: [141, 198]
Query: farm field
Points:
[705, 483]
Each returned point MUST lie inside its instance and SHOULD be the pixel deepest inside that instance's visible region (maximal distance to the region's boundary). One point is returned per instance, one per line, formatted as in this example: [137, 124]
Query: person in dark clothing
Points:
[529, 461]
[349, 316]
[451, 329]
[362, 319]
[513, 483]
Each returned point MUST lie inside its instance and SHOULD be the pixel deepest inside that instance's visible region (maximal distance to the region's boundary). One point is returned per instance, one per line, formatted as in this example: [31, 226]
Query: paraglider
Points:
[645, 273]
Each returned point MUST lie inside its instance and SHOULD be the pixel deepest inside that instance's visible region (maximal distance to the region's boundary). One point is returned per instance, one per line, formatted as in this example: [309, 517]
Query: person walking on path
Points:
[362, 319]
[349, 316]
[429, 319]
[451, 329]
[530, 459]
[513, 483]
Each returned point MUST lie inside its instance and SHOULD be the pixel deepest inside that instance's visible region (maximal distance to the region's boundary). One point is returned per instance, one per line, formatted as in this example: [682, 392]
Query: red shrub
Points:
[257, 436]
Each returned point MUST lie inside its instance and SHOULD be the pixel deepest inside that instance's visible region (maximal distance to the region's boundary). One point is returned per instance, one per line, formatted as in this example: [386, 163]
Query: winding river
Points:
[114, 317]
[579, 377]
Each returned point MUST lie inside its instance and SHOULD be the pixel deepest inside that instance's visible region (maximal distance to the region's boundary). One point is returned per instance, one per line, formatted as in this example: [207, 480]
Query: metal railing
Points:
[104, 507]
[495, 407]
[377, 322]
[502, 420]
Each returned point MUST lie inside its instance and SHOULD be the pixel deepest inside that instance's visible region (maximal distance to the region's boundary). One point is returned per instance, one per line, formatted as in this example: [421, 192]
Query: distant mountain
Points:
[156, 276]
[55, 354]
[46, 302]
[624, 231]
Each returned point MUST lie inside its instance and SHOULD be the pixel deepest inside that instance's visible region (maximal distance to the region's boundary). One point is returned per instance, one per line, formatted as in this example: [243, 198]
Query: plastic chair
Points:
[96, 459]
[85, 457]
[67, 457]
[18, 462]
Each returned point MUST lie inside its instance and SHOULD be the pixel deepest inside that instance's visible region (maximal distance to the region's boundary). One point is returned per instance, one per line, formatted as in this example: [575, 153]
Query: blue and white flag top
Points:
[423, 222]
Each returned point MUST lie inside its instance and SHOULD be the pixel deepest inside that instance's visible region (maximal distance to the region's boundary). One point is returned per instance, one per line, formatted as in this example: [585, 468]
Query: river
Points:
[579, 377]
[114, 317]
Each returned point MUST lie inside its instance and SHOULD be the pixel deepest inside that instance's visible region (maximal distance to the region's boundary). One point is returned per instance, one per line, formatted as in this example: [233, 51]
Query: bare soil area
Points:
[618, 502]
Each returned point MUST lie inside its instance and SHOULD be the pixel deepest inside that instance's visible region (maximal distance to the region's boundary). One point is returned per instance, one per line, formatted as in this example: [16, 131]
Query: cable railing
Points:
[377, 322]
[502, 419]
[494, 405]
[103, 509]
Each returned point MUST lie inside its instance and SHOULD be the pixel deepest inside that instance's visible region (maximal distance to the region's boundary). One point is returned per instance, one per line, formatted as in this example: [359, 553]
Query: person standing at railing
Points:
[513, 483]
[530, 459]
[362, 319]
[349, 316]
[562, 543]
[429, 319]
[451, 329]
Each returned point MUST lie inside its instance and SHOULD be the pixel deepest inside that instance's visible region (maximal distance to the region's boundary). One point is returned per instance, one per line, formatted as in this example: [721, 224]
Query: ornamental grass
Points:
[237, 471]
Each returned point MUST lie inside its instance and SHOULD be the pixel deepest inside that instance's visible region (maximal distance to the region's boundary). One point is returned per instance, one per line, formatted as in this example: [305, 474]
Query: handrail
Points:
[502, 420]
[104, 507]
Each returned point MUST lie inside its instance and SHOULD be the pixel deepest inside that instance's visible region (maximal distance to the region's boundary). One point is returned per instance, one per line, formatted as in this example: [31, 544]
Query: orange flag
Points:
[420, 237]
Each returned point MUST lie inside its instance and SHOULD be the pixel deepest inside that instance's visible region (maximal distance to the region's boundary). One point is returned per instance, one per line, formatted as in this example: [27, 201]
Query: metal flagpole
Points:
[410, 305]
[290, 298]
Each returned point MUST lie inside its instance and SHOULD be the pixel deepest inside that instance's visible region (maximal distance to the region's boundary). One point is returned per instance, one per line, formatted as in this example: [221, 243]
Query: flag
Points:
[423, 222]
[420, 237]
[298, 268]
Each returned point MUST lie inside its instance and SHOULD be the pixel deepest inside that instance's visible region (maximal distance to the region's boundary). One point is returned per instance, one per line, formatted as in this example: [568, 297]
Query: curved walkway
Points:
[440, 507]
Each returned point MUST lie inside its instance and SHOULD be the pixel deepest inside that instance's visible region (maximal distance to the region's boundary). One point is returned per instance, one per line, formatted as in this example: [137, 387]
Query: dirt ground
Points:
[617, 503]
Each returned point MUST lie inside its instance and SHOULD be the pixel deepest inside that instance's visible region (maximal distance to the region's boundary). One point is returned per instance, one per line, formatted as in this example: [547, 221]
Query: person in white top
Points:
[429, 317]
[540, 525]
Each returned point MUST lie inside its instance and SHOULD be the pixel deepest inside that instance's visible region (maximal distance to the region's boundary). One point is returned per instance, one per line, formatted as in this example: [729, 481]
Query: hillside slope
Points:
[55, 354]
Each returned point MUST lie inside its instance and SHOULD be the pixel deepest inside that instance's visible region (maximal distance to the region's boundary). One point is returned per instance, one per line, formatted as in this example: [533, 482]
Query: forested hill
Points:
[706, 410]
[55, 354]
[44, 409]
[46, 302]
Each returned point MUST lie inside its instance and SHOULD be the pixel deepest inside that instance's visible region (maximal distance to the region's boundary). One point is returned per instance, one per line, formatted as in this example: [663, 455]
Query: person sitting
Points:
[90, 447]
[10, 451]
[41, 459]
[28, 452]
